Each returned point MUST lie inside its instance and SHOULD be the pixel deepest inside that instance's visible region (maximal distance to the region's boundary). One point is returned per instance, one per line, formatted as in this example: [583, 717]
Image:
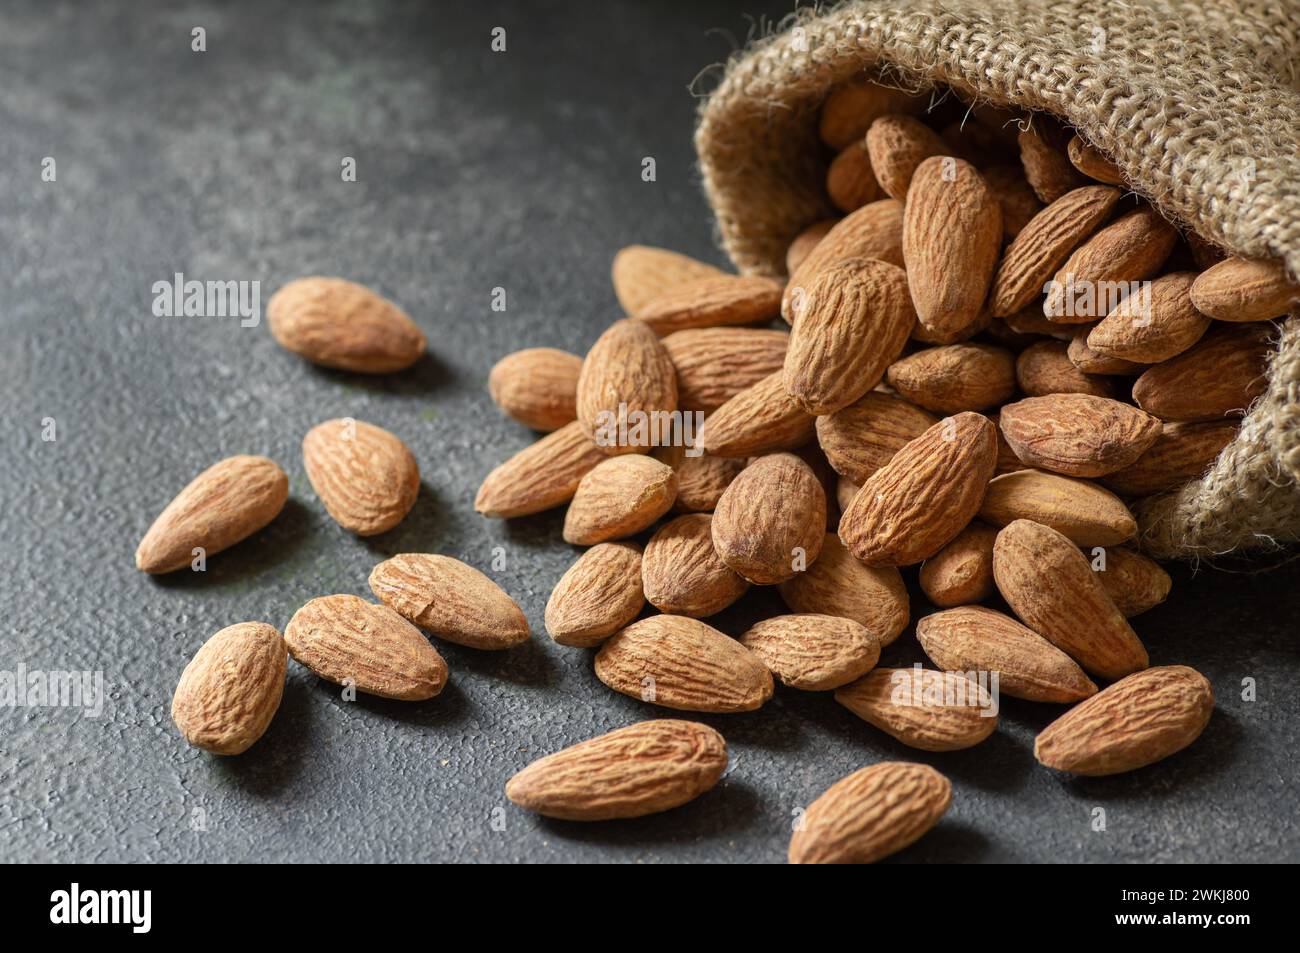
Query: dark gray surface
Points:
[476, 170]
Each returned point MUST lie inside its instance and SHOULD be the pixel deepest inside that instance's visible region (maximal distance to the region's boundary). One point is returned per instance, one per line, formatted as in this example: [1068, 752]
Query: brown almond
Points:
[1094, 362]
[619, 498]
[1077, 434]
[760, 419]
[861, 438]
[701, 481]
[850, 110]
[837, 584]
[710, 302]
[452, 600]
[962, 572]
[645, 768]
[231, 689]
[813, 652]
[366, 477]
[1016, 196]
[341, 324]
[682, 574]
[626, 379]
[850, 181]
[874, 812]
[1128, 250]
[873, 231]
[922, 708]
[715, 364]
[907, 510]
[845, 491]
[1135, 583]
[683, 663]
[1182, 452]
[955, 377]
[1051, 587]
[805, 242]
[1155, 324]
[1239, 289]
[1089, 160]
[537, 386]
[897, 145]
[642, 272]
[598, 595]
[1081, 511]
[975, 639]
[349, 641]
[1029, 323]
[1046, 164]
[1008, 462]
[541, 476]
[1218, 377]
[1138, 721]
[1045, 368]
[228, 502]
[770, 522]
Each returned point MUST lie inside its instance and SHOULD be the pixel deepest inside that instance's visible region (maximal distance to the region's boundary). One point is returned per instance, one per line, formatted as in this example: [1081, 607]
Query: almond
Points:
[702, 480]
[922, 708]
[897, 145]
[1238, 289]
[837, 584]
[642, 272]
[1049, 584]
[1077, 434]
[1015, 195]
[713, 301]
[598, 595]
[1082, 512]
[1045, 368]
[850, 110]
[955, 377]
[1181, 453]
[770, 521]
[619, 498]
[1008, 462]
[1152, 325]
[1134, 582]
[344, 325]
[541, 476]
[454, 601]
[683, 663]
[1046, 164]
[231, 689]
[645, 768]
[1128, 250]
[864, 436]
[805, 242]
[1218, 377]
[873, 231]
[228, 502]
[365, 476]
[715, 364]
[851, 321]
[845, 491]
[907, 510]
[1045, 243]
[952, 233]
[1094, 362]
[961, 572]
[812, 652]
[850, 181]
[874, 812]
[626, 378]
[760, 419]
[1089, 160]
[682, 573]
[975, 639]
[1030, 323]
[349, 641]
[1137, 721]
[537, 386]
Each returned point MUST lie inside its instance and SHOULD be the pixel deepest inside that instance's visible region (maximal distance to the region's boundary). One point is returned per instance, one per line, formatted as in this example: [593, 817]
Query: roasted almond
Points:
[1238, 289]
[955, 377]
[366, 477]
[645, 768]
[701, 481]
[683, 663]
[1081, 511]
[770, 522]
[1046, 163]
[850, 110]
[760, 419]
[682, 574]
[228, 502]
[1077, 434]
[1094, 362]
[837, 584]
[454, 601]
[922, 708]
[1181, 453]
[1218, 377]
[805, 242]
[537, 386]
[541, 476]
[861, 438]
[1015, 195]
[962, 572]
[710, 302]
[1089, 160]
[341, 324]
[231, 689]
[873, 231]
[850, 181]
[626, 378]
[897, 145]
[642, 272]
[715, 364]
[1153, 324]
[619, 498]
[598, 595]
[1045, 368]
[813, 652]
[1135, 583]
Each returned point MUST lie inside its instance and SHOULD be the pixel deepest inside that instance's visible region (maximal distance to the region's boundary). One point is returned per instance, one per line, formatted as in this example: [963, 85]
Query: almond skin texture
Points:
[619, 498]
[1046, 163]
[770, 522]
[1130, 249]
[642, 272]
[645, 768]
[760, 419]
[1082, 512]
[922, 708]
[541, 476]
[1153, 325]
[1135, 583]
[1237, 289]
[907, 510]
[805, 242]
[625, 375]
[702, 480]
[1045, 368]
[715, 364]
[851, 321]
[975, 639]
[1138, 721]
[1089, 160]
[874, 812]
[709, 302]
[850, 181]
[955, 377]
[344, 637]
[231, 689]
[365, 476]
[897, 145]
[1181, 453]
[850, 110]
[873, 231]
[228, 502]
[682, 573]
[961, 572]
[1077, 434]
[1051, 587]
[1015, 195]
[598, 595]
[952, 234]
[1094, 362]
[454, 601]
[837, 584]
[537, 386]
[1218, 377]
[341, 324]
[683, 663]
[815, 653]
[861, 438]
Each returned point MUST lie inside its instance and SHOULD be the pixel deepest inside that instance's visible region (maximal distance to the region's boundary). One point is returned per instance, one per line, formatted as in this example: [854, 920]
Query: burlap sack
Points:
[1198, 103]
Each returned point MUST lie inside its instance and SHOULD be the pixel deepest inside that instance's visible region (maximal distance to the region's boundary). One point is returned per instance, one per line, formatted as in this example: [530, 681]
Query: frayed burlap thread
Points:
[1198, 104]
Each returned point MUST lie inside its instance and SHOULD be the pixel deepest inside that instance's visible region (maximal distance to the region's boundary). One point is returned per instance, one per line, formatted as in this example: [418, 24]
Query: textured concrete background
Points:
[476, 170]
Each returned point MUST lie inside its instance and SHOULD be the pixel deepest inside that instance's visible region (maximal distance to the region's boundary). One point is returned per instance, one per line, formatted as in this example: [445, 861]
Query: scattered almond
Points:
[231, 689]
[955, 377]
[962, 572]
[715, 364]
[770, 521]
[1181, 453]
[805, 242]
[1047, 166]
[541, 476]
[1081, 511]
[1134, 582]
[537, 386]
[619, 498]
[760, 419]
[1152, 325]
[598, 595]
[864, 436]
[1130, 249]
[641, 272]
[344, 325]
[1077, 434]
[710, 302]
[813, 652]
[922, 708]
[1218, 377]
[850, 181]
[701, 481]
[1045, 368]
[682, 573]
[626, 377]
[873, 231]
[366, 477]
[1237, 289]
[897, 145]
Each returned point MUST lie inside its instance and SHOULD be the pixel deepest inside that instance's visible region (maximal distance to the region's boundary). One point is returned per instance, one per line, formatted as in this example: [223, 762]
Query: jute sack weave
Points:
[1197, 102]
